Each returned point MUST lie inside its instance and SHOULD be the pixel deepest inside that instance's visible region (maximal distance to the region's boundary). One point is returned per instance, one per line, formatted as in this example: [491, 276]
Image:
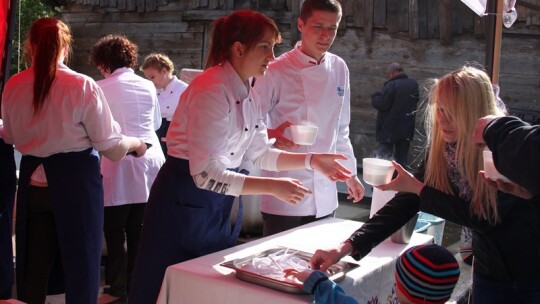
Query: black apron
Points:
[181, 222]
[8, 185]
[75, 185]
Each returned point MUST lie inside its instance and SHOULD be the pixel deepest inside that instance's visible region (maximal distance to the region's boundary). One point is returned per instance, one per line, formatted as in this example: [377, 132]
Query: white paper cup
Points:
[377, 171]
[304, 135]
[489, 167]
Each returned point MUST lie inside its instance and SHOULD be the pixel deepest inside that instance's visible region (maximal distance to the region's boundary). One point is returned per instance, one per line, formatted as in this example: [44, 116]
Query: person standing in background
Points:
[134, 105]
[8, 186]
[159, 69]
[59, 119]
[396, 106]
[309, 84]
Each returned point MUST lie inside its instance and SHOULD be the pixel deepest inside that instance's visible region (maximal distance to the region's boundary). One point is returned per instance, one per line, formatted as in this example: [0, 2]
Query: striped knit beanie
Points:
[427, 274]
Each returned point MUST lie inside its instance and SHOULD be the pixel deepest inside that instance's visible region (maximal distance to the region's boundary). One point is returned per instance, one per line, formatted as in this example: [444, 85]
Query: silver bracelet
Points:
[307, 161]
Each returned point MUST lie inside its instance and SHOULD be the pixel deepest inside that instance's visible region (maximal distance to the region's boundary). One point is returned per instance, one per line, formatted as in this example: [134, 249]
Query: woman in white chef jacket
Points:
[159, 69]
[217, 124]
[134, 105]
[58, 119]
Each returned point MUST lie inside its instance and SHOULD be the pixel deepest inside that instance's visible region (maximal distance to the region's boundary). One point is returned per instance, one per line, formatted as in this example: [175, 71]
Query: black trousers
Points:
[42, 245]
[122, 224]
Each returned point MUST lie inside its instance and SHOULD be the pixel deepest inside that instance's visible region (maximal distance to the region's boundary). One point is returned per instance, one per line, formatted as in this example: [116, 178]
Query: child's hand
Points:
[301, 276]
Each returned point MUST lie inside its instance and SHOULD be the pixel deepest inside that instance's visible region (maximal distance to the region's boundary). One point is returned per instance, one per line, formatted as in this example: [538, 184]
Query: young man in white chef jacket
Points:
[309, 85]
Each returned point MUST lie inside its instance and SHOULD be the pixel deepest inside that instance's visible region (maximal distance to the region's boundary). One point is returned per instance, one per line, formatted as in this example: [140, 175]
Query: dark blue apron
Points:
[75, 186]
[8, 183]
[181, 222]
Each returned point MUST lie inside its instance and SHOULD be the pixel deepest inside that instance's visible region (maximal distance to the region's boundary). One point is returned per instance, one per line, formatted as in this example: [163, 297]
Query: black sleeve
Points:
[516, 150]
[396, 213]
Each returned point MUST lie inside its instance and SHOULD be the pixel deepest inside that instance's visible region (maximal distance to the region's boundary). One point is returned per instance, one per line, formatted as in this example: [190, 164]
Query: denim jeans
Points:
[486, 291]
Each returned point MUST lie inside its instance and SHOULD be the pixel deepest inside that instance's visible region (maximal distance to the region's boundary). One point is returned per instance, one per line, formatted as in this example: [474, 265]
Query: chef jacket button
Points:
[250, 99]
[232, 153]
[238, 102]
[256, 126]
[171, 92]
[245, 129]
[168, 107]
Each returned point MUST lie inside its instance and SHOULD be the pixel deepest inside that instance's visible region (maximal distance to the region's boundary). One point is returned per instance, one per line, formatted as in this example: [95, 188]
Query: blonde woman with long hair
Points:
[506, 229]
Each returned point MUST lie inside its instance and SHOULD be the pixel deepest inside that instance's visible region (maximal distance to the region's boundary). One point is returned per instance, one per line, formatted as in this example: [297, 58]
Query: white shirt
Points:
[75, 115]
[169, 97]
[134, 105]
[218, 123]
[297, 89]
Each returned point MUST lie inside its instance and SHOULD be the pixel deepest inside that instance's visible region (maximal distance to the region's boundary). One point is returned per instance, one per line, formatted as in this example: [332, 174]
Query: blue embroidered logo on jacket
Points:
[340, 91]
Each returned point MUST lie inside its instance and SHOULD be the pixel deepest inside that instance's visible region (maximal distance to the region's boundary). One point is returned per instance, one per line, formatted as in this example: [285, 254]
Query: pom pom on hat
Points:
[427, 274]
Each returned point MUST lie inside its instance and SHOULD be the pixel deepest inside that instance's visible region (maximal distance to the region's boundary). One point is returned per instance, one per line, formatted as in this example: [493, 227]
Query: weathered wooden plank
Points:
[445, 21]
[149, 6]
[456, 18]
[145, 41]
[124, 17]
[423, 18]
[403, 16]
[413, 19]
[294, 15]
[392, 15]
[368, 21]
[122, 4]
[358, 12]
[379, 13]
[129, 28]
[278, 4]
[433, 19]
[467, 17]
[242, 4]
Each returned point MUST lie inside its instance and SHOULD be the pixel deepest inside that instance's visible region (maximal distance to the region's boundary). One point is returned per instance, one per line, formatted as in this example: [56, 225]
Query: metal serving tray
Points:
[336, 272]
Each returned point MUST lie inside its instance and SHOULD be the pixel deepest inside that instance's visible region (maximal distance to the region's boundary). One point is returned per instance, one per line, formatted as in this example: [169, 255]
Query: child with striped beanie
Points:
[426, 274]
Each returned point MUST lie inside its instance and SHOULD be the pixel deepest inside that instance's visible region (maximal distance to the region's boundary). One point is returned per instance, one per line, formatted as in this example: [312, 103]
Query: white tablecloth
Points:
[203, 280]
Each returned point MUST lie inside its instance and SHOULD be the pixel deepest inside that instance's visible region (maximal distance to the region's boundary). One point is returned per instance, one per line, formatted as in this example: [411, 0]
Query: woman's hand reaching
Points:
[327, 164]
[404, 182]
[288, 190]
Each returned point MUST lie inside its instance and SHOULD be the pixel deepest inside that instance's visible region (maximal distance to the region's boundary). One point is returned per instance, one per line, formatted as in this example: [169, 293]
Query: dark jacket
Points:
[516, 150]
[396, 105]
[506, 252]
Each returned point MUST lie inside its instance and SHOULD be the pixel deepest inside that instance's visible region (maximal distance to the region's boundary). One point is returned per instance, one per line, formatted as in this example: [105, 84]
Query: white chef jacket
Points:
[297, 89]
[75, 116]
[217, 123]
[134, 105]
[169, 97]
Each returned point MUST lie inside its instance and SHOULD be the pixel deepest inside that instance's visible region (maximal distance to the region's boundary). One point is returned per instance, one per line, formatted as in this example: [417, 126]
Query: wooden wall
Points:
[429, 38]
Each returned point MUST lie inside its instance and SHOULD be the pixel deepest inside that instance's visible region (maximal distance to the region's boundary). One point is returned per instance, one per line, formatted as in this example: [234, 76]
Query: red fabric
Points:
[3, 27]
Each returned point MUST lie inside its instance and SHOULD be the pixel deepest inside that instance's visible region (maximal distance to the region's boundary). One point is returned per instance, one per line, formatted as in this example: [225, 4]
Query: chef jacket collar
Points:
[169, 86]
[306, 60]
[121, 70]
[238, 87]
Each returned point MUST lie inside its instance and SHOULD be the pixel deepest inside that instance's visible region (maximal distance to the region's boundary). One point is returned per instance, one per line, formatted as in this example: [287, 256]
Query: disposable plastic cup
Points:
[489, 167]
[377, 171]
[304, 135]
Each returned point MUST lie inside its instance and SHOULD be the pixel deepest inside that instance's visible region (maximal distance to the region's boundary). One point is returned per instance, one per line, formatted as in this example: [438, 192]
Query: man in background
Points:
[396, 106]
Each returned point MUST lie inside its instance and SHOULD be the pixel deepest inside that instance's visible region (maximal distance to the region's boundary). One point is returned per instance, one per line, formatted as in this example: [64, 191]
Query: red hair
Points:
[244, 26]
[46, 39]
